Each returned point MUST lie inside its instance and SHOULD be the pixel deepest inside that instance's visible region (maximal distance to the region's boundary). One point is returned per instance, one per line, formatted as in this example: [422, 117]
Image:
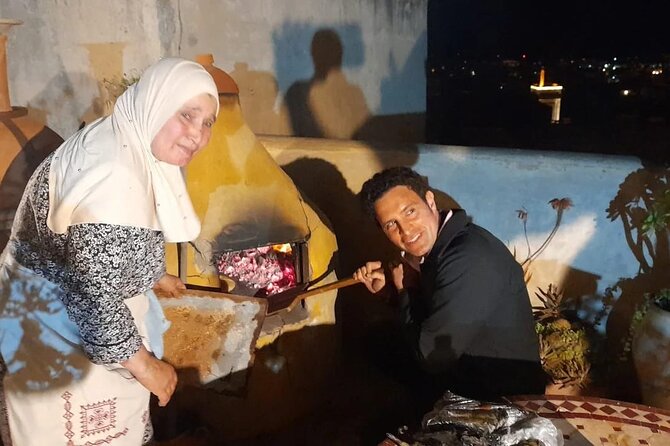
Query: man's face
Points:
[407, 220]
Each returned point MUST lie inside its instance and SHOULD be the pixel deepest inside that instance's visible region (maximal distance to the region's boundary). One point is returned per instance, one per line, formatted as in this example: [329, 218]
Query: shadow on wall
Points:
[327, 105]
[637, 194]
[283, 391]
[404, 88]
[106, 64]
[69, 98]
[259, 94]
[25, 337]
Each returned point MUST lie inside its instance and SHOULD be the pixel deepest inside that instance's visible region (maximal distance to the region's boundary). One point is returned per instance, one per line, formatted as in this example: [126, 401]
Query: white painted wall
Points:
[65, 48]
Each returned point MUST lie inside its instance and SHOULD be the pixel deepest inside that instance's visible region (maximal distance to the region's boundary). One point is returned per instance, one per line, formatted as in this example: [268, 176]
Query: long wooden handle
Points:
[329, 286]
[322, 289]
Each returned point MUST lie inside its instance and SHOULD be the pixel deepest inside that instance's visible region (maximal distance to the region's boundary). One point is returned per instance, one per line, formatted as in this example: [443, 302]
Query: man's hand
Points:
[398, 274]
[404, 276]
[156, 376]
[372, 276]
[171, 285]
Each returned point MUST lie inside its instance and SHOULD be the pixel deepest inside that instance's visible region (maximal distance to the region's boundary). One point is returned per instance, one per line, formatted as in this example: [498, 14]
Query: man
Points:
[461, 295]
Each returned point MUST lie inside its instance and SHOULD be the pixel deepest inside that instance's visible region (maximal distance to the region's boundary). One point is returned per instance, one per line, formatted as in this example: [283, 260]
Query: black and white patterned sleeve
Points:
[106, 264]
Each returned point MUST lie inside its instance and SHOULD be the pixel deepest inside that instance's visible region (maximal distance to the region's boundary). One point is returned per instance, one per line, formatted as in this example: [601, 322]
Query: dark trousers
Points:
[489, 379]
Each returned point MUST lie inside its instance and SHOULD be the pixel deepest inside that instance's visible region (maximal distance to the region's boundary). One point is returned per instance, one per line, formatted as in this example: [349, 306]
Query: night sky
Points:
[544, 29]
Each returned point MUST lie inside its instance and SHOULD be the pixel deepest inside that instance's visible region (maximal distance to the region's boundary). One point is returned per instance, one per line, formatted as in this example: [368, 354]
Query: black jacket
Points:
[471, 319]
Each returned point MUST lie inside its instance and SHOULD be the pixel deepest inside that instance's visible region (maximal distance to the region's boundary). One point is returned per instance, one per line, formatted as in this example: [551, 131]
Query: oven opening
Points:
[276, 272]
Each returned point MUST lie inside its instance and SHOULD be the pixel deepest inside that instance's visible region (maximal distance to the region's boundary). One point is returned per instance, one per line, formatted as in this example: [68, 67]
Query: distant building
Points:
[549, 95]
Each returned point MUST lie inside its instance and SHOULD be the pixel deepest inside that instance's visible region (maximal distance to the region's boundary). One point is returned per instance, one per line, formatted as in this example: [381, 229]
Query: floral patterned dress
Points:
[72, 307]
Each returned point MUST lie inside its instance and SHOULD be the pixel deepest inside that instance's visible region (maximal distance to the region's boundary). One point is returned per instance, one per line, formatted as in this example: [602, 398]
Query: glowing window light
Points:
[546, 88]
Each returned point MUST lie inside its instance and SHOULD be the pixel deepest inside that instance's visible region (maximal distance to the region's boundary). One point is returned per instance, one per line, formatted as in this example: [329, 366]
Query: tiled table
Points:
[598, 421]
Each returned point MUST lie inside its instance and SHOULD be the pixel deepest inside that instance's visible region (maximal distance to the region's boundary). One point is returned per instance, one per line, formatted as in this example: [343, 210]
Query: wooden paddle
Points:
[342, 283]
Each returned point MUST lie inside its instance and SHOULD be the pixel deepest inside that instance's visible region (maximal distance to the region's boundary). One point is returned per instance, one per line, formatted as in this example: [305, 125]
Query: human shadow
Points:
[327, 105]
[358, 240]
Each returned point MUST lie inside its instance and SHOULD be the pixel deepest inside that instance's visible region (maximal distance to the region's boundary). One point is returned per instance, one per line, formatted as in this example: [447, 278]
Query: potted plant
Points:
[650, 334]
[564, 346]
[650, 326]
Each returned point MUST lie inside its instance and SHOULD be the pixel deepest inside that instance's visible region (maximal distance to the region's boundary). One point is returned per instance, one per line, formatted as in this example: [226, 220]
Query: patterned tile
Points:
[607, 409]
[586, 421]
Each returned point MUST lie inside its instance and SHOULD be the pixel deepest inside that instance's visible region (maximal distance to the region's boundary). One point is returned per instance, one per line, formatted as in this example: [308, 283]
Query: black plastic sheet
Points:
[456, 420]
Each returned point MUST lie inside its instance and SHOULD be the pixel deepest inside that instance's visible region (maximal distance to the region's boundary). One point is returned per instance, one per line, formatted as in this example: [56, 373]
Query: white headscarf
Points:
[106, 173]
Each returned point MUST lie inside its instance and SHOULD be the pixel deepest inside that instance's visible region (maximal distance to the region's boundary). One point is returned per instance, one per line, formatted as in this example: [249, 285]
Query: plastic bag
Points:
[456, 420]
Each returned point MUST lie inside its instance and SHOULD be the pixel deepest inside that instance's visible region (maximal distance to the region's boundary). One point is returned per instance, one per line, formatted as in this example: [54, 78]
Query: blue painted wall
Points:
[491, 184]
[590, 253]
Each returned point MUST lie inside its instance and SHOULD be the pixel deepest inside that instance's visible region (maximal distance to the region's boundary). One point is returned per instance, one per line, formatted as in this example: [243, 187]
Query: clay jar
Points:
[224, 83]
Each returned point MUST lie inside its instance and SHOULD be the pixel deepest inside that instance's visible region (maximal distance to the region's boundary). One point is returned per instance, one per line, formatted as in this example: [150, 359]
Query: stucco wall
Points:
[284, 56]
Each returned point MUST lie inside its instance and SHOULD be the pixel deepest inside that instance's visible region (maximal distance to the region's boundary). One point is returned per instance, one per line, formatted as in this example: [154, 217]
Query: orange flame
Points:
[285, 248]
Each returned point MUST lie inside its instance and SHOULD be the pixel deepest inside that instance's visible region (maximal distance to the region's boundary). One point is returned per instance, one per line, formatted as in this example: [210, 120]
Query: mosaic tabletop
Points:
[599, 421]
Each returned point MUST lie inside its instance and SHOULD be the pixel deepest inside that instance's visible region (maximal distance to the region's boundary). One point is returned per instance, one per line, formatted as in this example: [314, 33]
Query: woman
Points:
[86, 248]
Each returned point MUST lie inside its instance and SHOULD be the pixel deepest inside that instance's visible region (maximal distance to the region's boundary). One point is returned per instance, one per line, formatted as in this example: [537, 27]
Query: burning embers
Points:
[265, 271]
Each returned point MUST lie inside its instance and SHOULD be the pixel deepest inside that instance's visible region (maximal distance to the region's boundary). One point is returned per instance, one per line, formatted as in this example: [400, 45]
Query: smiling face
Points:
[408, 221]
[186, 132]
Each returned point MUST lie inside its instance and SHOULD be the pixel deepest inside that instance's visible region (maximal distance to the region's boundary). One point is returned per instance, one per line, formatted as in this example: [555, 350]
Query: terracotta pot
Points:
[224, 83]
[558, 389]
[651, 356]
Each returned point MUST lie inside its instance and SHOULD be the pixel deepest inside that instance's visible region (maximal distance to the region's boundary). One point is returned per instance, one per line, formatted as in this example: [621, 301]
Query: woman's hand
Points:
[372, 276]
[170, 285]
[155, 375]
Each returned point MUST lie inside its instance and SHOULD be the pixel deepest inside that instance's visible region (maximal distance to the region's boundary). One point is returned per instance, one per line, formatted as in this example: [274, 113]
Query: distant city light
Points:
[625, 92]
[657, 71]
[472, 73]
